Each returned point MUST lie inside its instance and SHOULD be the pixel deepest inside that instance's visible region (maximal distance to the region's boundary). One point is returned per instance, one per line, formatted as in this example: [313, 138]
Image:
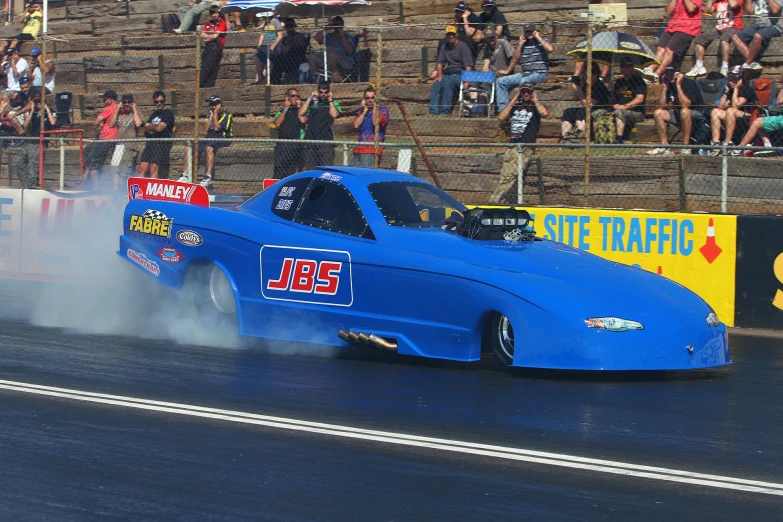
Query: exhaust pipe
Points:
[382, 343]
[353, 338]
[342, 334]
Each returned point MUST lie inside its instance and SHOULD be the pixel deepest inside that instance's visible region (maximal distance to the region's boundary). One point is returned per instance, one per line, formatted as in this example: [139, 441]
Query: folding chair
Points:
[480, 77]
[63, 109]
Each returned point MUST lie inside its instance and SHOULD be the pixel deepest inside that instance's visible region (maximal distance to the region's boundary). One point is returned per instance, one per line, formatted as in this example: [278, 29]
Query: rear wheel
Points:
[213, 297]
[501, 339]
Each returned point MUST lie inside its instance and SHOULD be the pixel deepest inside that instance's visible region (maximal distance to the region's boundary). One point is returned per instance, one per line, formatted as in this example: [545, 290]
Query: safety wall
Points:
[40, 230]
[696, 250]
[760, 272]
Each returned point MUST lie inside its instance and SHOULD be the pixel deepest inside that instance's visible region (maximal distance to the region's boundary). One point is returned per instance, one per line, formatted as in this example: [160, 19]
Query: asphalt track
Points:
[117, 427]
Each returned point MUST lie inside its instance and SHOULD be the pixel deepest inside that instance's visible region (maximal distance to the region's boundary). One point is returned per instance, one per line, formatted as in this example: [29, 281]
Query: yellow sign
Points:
[155, 224]
[696, 250]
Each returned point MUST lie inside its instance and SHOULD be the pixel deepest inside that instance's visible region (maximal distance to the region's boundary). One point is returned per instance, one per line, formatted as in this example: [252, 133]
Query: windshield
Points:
[413, 204]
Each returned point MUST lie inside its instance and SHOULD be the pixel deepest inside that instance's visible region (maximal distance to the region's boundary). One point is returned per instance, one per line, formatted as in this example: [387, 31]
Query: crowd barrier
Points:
[734, 262]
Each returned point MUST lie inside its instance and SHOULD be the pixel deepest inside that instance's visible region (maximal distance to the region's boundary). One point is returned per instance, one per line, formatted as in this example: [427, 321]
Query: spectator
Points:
[214, 36]
[453, 58]
[491, 14]
[573, 121]
[752, 41]
[727, 22]
[364, 155]
[127, 120]
[95, 153]
[734, 107]
[189, 14]
[525, 114]
[20, 98]
[630, 93]
[498, 53]
[160, 125]
[763, 127]
[15, 69]
[32, 18]
[28, 155]
[289, 51]
[290, 126]
[468, 27]
[684, 25]
[220, 124]
[687, 104]
[270, 33]
[339, 51]
[319, 113]
[532, 53]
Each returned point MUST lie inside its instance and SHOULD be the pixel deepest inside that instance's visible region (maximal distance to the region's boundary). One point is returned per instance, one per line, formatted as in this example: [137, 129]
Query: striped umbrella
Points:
[319, 8]
[242, 5]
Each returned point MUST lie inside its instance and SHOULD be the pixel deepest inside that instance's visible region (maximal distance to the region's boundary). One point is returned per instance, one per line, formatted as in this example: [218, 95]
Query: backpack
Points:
[712, 89]
[763, 89]
[170, 22]
[604, 128]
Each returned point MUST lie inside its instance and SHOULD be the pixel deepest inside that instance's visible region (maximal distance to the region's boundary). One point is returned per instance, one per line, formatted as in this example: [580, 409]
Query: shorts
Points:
[705, 38]
[772, 123]
[766, 33]
[678, 43]
[574, 114]
[674, 117]
[216, 145]
[124, 156]
[157, 153]
[95, 154]
[629, 117]
[23, 37]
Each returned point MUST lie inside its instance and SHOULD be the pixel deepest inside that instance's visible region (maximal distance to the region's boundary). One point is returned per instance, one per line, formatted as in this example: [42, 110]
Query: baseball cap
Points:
[671, 70]
[489, 31]
[109, 94]
[526, 86]
[529, 28]
[36, 51]
[265, 14]
[488, 3]
[214, 100]
[451, 29]
[735, 71]
[127, 98]
[461, 6]
[12, 50]
[23, 80]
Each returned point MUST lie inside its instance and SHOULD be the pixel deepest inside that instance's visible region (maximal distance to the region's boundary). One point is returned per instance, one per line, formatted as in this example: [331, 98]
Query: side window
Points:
[329, 206]
[288, 197]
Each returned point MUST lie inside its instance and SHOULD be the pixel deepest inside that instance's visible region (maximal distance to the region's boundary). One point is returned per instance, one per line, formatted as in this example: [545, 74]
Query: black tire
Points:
[500, 337]
[213, 297]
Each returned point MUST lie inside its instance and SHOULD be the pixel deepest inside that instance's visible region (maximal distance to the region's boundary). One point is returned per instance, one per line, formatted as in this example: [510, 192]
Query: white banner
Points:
[10, 230]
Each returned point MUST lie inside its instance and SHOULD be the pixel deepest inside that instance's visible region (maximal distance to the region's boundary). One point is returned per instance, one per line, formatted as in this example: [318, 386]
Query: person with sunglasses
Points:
[220, 124]
[364, 121]
[160, 126]
[28, 154]
[319, 113]
[288, 156]
[127, 120]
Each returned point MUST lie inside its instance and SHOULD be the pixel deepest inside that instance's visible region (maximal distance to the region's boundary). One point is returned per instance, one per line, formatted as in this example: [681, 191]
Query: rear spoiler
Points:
[154, 189]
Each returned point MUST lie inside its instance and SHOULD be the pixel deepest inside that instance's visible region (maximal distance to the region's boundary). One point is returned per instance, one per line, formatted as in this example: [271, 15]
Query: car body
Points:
[336, 256]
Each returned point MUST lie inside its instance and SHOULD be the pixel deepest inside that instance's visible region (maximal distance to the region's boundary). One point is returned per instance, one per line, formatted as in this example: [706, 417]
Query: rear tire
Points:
[213, 297]
[501, 338]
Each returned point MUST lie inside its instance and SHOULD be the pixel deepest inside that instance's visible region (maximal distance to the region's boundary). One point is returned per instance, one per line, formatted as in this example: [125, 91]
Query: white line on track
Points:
[538, 457]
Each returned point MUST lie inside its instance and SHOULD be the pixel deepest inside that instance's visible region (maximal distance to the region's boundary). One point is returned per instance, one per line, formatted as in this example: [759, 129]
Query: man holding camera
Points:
[28, 155]
[126, 119]
[220, 124]
[319, 112]
[32, 18]
[339, 51]
[288, 156]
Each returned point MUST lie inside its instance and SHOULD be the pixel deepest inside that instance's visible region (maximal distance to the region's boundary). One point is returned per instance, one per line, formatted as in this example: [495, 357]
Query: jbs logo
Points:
[306, 275]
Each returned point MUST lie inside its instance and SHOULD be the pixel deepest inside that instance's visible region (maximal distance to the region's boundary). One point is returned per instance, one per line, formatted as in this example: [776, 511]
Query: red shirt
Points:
[108, 133]
[683, 22]
[726, 17]
[219, 27]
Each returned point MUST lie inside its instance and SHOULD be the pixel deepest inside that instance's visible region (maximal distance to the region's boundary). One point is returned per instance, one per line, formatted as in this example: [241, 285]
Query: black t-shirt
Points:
[496, 18]
[626, 90]
[602, 96]
[320, 124]
[690, 89]
[525, 121]
[35, 125]
[161, 116]
[291, 128]
[475, 24]
[747, 92]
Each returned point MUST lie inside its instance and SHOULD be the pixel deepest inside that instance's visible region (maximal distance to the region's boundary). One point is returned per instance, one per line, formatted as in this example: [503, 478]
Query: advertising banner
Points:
[155, 189]
[760, 272]
[57, 229]
[10, 230]
[696, 250]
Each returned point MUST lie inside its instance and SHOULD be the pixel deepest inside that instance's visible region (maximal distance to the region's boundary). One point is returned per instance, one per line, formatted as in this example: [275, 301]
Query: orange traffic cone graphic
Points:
[660, 270]
[710, 250]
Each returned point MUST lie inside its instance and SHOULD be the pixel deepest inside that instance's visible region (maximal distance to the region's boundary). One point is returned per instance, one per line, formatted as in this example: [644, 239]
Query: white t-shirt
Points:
[13, 79]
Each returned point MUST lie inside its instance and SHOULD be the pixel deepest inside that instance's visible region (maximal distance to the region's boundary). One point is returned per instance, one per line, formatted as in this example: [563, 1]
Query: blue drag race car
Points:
[344, 256]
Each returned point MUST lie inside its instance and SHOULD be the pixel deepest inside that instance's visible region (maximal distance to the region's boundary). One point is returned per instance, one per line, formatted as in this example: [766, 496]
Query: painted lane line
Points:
[551, 459]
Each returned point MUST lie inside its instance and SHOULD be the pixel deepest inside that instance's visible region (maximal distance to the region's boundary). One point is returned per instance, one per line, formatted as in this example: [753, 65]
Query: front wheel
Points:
[501, 339]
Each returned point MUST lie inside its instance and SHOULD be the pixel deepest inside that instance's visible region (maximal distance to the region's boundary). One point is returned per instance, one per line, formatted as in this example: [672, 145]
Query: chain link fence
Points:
[457, 142]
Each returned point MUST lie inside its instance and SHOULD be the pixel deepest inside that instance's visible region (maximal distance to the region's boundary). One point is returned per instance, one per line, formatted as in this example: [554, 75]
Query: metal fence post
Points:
[376, 118]
[62, 163]
[520, 157]
[345, 154]
[267, 100]
[541, 188]
[196, 103]
[424, 64]
[588, 106]
[242, 72]
[724, 179]
[402, 14]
